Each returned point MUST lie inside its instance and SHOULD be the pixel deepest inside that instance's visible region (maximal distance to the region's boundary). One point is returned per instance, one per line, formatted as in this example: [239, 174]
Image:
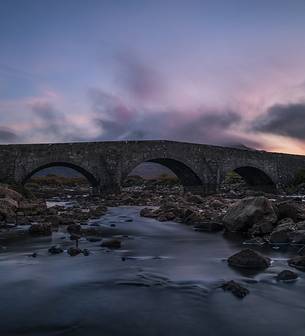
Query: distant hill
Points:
[59, 171]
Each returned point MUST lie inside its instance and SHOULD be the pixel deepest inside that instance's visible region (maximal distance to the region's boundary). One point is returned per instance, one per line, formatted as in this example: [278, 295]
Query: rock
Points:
[216, 204]
[33, 255]
[291, 209]
[148, 212]
[253, 213]
[297, 262]
[44, 229]
[86, 252]
[167, 216]
[286, 222]
[297, 237]
[197, 199]
[236, 289]
[6, 192]
[301, 251]
[74, 251]
[8, 208]
[209, 226]
[300, 225]
[93, 239]
[280, 236]
[287, 275]
[249, 259]
[111, 243]
[55, 249]
[74, 229]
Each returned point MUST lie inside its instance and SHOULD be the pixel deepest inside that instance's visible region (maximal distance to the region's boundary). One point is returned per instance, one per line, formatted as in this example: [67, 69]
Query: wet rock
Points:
[44, 229]
[250, 259]
[148, 212]
[74, 229]
[6, 192]
[297, 262]
[291, 209]
[55, 249]
[287, 275]
[300, 225]
[216, 204]
[236, 289]
[167, 216]
[191, 198]
[93, 231]
[297, 237]
[255, 214]
[74, 251]
[280, 236]
[86, 252]
[111, 243]
[33, 255]
[93, 239]
[301, 251]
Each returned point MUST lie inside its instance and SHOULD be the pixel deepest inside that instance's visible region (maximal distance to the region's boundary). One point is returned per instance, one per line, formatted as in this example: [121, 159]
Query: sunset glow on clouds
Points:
[218, 72]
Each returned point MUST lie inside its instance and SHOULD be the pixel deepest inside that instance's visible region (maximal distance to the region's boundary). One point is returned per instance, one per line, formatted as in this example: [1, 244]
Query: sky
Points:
[228, 72]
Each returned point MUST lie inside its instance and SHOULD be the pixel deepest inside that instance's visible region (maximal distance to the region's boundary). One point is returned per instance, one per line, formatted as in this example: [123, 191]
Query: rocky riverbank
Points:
[258, 219]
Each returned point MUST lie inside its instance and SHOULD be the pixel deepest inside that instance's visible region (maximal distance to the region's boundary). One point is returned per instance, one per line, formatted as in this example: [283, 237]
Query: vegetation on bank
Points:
[51, 180]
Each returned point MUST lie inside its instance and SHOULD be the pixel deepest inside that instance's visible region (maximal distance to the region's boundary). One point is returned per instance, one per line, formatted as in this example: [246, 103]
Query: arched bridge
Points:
[200, 168]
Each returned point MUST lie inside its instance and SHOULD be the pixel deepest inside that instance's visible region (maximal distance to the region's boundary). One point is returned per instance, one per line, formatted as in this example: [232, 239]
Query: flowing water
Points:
[163, 281]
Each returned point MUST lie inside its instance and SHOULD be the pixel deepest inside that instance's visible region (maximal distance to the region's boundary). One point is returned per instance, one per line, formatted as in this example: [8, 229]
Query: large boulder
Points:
[286, 276]
[43, 229]
[297, 262]
[249, 259]
[281, 234]
[297, 237]
[235, 288]
[291, 209]
[300, 225]
[6, 192]
[256, 214]
[111, 243]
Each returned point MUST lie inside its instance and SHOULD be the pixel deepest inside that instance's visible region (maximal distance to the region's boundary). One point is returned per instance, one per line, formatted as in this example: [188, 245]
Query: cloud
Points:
[118, 121]
[286, 120]
[140, 81]
[8, 135]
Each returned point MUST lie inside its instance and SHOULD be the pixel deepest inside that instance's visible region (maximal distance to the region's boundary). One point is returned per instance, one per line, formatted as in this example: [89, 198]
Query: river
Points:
[163, 281]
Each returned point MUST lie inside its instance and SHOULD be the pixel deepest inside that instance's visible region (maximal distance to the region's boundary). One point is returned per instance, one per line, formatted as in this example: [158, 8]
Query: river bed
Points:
[163, 281]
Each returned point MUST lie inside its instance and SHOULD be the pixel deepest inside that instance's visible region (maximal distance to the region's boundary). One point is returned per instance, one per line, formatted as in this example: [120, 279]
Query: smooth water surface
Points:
[163, 281]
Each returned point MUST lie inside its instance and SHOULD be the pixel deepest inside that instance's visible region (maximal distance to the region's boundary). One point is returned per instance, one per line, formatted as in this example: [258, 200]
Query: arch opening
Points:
[60, 178]
[164, 172]
[248, 177]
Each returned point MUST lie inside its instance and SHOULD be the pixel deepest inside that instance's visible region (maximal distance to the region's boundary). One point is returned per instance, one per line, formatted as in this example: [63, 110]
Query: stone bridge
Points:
[200, 168]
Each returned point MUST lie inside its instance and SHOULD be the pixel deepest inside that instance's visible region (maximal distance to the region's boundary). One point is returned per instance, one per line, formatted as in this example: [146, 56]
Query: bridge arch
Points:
[90, 177]
[255, 177]
[189, 179]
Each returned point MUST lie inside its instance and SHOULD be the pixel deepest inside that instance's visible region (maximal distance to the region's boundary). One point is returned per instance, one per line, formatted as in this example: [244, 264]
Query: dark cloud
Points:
[7, 135]
[48, 120]
[286, 120]
[119, 122]
[50, 124]
[137, 78]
